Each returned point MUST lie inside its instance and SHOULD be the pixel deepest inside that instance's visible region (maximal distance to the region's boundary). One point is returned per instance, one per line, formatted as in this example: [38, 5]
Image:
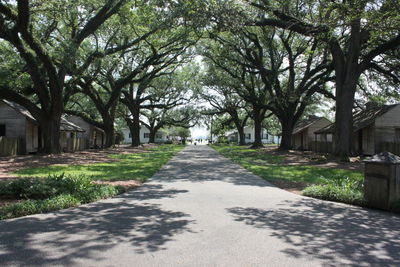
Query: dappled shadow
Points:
[329, 232]
[201, 164]
[87, 231]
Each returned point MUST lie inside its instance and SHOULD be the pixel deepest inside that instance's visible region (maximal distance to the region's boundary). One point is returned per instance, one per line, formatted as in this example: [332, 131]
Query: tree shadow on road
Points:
[205, 165]
[86, 231]
[326, 231]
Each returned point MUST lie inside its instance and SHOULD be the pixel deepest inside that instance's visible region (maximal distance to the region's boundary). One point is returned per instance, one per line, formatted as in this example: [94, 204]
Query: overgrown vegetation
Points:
[133, 166]
[323, 183]
[55, 192]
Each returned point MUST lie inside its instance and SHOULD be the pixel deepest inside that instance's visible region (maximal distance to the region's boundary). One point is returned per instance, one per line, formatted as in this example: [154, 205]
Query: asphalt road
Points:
[203, 210]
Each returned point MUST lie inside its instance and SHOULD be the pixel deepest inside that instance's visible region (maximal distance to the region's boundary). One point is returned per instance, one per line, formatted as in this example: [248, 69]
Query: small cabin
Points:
[266, 138]
[303, 132]
[161, 136]
[375, 129]
[94, 135]
[17, 123]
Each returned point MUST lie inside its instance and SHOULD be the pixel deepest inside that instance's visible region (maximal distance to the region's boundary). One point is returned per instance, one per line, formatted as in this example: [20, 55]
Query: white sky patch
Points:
[199, 132]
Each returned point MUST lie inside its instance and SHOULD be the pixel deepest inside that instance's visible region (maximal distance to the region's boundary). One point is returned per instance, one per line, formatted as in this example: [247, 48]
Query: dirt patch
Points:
[294, 187]
[12, 164]
[128, 184]
[309, 158]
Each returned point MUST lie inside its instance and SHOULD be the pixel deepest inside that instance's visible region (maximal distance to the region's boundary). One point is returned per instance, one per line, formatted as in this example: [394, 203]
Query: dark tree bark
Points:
[258, 118]
[50, 130]
[242, 137]
[287, 124]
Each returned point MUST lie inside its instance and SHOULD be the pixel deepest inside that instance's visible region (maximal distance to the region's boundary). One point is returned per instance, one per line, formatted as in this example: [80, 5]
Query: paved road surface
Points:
[202, 210]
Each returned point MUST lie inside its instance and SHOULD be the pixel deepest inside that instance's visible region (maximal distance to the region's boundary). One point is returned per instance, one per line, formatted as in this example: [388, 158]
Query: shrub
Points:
[338, 188]
[52, 193]
[38, 206]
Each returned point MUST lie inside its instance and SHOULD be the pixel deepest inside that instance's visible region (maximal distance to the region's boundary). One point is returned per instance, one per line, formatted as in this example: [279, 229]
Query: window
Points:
[2, 130]
[130, 135]
[146, 135]
[248, 136]
[158, 136]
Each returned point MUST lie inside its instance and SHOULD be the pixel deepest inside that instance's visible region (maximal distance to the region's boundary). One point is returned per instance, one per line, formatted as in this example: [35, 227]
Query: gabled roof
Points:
[304, 124]
[20, 109]
[361, 119]
[65, 125]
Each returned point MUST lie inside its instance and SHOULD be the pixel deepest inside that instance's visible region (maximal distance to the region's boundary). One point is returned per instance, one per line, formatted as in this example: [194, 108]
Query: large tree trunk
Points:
[287, 125]
[242, 137]
[50, 130]
[344, 120]
[110, 133]
[240, 129]
[135, 127]
[152, 136]
[258, 118]
[347, 73]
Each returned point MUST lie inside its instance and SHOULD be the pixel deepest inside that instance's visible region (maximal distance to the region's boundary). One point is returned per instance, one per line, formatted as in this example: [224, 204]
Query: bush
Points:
[52, 193]
[338, 188]
[38, 206]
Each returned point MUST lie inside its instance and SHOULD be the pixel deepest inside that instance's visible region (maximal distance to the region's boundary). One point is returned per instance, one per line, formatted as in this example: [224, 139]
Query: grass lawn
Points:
[271, 167]
[45, 189]
[134, 166]
[325, 183]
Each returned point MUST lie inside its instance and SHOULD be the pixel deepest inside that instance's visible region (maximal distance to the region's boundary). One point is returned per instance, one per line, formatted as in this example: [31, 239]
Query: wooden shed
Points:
[303, 132]
[94, 135]
[375, 129]
[16, 122]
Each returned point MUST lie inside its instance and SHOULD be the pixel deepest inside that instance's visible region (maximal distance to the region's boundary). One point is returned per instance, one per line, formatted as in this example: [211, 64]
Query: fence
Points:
[388, 147]
[8, 146]
[76, 144]
[321, 146]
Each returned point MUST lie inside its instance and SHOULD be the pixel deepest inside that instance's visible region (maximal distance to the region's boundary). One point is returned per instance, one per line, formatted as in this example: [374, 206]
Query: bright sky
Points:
[199, 132]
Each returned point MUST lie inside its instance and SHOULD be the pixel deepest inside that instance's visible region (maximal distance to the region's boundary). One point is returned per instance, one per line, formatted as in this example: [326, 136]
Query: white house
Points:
[161, 136]
[249, 136]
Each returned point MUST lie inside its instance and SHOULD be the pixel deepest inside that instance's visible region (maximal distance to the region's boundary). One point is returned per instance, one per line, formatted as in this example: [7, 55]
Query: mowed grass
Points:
[272, 168]
[135, 166]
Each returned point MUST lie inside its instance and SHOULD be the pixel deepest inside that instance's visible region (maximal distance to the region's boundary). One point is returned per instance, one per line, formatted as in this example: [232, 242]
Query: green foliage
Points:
[338, 188]
[133, 166]
[326, 183]
[38, 206]
[52, 193]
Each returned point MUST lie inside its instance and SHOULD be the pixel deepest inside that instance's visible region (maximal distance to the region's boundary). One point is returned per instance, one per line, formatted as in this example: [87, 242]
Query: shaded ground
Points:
[291, 170]
[12, 164]
[309, 158]
[203, 210]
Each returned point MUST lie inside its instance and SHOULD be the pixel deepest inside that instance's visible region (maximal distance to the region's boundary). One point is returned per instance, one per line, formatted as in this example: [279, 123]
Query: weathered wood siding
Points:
[306, 138]
[385, 131]
[319, 124]
[15, 122]
[83, 124]
[368, 142]
[299, 140]
[95, 136]
[32, 138]
[8, 146]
